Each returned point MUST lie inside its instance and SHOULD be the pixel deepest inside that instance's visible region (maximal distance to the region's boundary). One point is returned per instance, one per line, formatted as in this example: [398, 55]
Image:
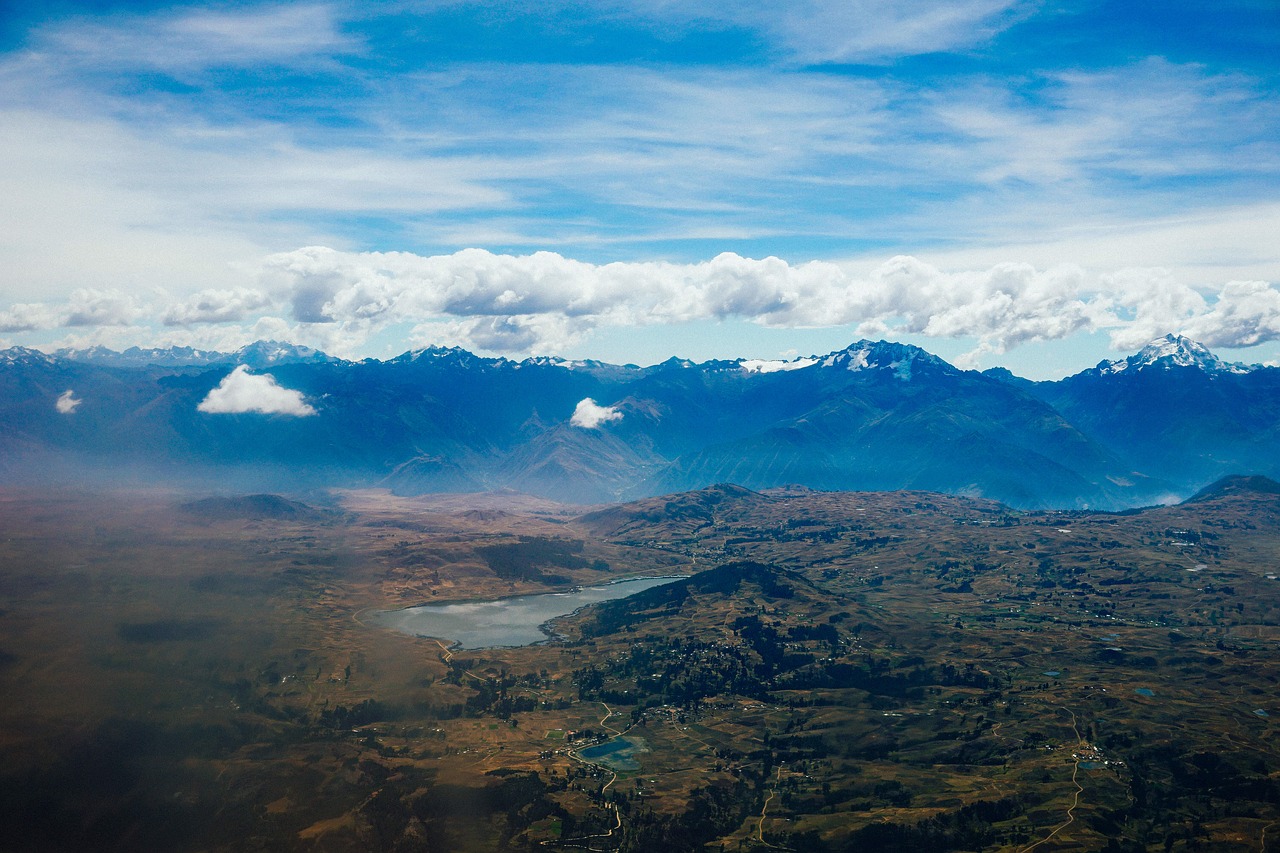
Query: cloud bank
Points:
[546, 303]
[242, 392]
[588, 414]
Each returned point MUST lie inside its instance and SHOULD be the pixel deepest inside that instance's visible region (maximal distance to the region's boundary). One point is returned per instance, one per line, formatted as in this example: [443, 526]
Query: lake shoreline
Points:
[465, 616]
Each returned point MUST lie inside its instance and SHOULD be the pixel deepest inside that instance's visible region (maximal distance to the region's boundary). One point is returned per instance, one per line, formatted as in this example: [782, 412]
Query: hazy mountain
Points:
[1236, 485]
[1177, 412]
[876, 415]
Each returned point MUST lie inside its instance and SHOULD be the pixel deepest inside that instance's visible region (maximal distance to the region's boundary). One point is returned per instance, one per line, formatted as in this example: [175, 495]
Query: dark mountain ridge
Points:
[1152, 428]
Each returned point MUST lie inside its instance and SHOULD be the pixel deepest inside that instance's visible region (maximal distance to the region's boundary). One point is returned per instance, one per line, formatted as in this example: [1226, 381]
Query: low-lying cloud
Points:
[242, 392]
[589, 414]
[67, 402]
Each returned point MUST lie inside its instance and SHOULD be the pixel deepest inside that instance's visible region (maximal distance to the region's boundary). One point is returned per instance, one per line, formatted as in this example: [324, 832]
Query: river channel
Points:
[504, 622]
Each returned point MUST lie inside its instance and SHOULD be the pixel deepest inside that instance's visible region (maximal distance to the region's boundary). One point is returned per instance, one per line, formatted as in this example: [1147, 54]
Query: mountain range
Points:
[1151, 428]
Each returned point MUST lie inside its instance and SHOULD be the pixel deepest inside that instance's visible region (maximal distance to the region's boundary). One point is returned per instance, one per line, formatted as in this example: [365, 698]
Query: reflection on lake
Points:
[617, 754]
[516, 621]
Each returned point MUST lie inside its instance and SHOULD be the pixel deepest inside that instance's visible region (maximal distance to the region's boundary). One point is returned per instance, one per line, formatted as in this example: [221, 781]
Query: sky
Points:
[1038, 185]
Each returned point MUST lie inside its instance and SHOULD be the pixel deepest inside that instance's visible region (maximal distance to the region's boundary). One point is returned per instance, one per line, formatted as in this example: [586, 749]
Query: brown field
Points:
[870, 671]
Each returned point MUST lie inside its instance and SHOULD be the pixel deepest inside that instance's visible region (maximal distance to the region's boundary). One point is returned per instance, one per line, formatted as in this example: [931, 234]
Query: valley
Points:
[840, 671]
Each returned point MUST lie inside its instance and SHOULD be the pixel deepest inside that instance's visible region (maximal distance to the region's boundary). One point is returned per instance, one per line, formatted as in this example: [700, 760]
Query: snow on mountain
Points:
[269, 353]
[1173, 351]
[902, 359]
[756, 365]
[256, 355]
[24, 355]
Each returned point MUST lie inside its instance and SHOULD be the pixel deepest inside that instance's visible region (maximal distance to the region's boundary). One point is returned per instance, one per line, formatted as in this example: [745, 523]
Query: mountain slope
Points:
[875, 415]
[1176, 412]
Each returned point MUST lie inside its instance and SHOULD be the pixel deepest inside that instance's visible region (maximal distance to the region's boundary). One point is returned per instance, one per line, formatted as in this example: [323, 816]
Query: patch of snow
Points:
[755, 365]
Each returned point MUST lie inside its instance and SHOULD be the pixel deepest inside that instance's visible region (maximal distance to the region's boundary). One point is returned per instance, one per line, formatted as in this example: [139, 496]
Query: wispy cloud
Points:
[189, 39]
[150, 161]
[822, 31]
[243, 392]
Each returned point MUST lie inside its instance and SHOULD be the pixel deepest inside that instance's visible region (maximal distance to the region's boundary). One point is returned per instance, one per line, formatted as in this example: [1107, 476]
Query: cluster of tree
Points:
[526, 558]
[879, 677]
[712, 813]
[970, 827]
[613, 616]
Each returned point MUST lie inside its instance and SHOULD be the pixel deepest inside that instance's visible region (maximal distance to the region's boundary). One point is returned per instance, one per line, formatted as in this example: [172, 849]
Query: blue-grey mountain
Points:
[1156, 426]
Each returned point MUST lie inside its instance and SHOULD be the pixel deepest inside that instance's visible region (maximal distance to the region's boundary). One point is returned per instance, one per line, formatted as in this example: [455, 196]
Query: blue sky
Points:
[1037, 185]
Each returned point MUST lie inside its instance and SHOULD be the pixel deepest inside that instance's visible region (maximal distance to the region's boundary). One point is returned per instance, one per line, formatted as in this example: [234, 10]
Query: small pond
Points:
[504, 622]
[617, 754]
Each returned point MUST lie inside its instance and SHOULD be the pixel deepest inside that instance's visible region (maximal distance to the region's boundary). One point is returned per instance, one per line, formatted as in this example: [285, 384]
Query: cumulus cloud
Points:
[67, 402]
[538, 302]
[90, 307]
[217, 306]
[547, 303]
[588, 414]
[242, 392]
[27, 317]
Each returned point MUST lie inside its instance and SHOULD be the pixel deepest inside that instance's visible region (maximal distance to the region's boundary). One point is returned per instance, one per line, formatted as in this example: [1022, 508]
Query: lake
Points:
[617, 754]
[505, 622]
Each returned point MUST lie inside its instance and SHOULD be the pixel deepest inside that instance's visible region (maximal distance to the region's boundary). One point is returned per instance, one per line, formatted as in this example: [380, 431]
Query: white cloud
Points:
[110, 178]
[242, 392]
[191, 39]
[26, 317]
[814, 31]
[590, 415]
[67, 402]
[217, 306]
[871, 30]
[91, 307]
[544, 302]
[547, 303]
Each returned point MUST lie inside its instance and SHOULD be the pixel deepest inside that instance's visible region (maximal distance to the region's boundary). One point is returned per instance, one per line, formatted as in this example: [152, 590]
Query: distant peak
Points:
[24, 355]
[433, 353]
[902, 359]
[1169, 352]
[267, 353]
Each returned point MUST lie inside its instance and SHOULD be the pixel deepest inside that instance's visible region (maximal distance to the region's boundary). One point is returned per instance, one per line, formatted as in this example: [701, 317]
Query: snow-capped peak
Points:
[267, 353]
[902, 359]
[1173, 351]
[24, 355]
